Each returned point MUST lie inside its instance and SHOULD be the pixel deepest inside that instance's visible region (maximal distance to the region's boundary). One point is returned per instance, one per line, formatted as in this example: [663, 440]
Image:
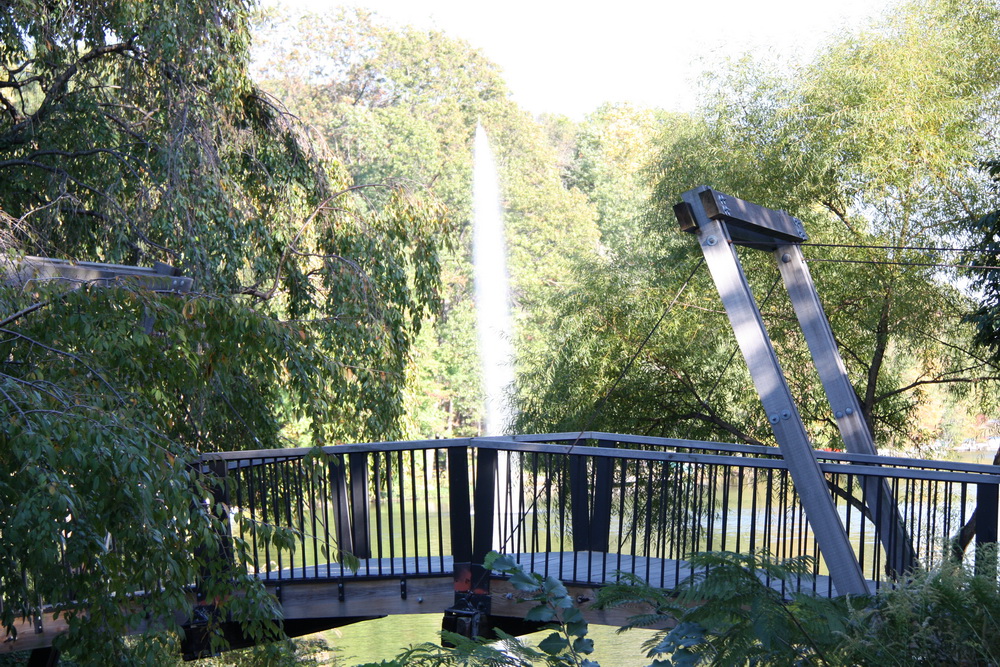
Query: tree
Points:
[403, 102]
[870, 145]
[985, 231]
[132, 133]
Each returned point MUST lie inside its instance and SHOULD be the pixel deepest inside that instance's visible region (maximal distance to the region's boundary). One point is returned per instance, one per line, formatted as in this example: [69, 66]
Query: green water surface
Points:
[383, 638]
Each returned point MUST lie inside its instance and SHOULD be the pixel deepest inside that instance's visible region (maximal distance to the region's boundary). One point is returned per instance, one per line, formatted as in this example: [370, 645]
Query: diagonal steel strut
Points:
[720, 222]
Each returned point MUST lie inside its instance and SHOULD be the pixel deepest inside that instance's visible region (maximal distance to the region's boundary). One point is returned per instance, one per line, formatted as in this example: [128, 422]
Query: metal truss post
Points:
[769, 380]
[843, 402]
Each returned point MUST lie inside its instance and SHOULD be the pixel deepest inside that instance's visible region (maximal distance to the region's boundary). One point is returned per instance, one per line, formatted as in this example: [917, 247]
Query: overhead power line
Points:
[964, 267]
[861, 246]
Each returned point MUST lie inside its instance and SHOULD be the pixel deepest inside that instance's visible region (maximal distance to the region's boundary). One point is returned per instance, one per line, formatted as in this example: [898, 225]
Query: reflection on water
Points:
[382, 639]
[983, 456]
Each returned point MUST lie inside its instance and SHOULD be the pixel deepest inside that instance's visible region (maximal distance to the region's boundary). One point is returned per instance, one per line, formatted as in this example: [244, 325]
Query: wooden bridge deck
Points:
[409, 586]
[581, 567]
[390, 586]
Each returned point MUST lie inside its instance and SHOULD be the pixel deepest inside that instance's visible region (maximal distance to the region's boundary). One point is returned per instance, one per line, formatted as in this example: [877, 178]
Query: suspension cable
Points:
[604, 399]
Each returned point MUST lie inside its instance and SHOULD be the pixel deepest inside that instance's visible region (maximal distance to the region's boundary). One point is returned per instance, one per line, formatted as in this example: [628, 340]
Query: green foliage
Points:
[508, 652]
[397, 104]
[132, 133]
[568, 643]
[870, 144]
[732, 613]
[946, 616]
[985, 231]
[299, 652]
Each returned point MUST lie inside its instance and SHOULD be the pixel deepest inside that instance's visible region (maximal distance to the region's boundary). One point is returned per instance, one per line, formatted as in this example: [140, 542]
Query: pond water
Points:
[383, 638]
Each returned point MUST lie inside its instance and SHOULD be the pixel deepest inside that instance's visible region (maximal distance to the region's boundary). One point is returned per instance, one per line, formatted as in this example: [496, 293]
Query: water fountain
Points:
[493, 318]
[493, 324]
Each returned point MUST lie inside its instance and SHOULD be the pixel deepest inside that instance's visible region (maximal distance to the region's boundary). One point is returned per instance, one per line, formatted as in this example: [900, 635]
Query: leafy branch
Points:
[568, 643]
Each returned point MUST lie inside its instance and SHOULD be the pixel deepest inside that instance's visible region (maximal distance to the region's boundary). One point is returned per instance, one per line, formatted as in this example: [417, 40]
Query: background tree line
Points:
[876, 143]
[132, 133]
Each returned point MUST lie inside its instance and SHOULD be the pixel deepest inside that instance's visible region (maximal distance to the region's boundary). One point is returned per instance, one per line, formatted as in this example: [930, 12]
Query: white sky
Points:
[568, 58]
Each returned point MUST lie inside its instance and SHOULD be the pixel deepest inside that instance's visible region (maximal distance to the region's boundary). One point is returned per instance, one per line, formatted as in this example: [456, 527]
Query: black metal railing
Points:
[581, 507]
[645, 511]
[346, 511]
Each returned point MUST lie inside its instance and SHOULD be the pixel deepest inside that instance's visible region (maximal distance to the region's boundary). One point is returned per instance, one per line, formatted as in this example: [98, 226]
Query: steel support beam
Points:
[843, 401]
[769, 379]
[161, 277]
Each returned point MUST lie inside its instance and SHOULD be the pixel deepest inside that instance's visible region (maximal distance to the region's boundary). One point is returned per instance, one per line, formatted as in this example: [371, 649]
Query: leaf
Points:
[500, 562]
[583, 645]
[577, 628]
[572, 615]
[350, 561]
[554, 644]
[541, 613]
[554, 588]
[525, 581]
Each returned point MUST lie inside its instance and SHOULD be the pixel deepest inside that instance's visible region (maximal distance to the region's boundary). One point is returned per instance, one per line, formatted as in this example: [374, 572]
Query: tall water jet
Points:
[493, 323]
[489, 259]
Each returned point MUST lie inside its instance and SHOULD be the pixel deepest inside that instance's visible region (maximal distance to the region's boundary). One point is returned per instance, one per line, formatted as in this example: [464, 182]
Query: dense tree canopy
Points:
[872, 144]
[131, 133]
[397, 103]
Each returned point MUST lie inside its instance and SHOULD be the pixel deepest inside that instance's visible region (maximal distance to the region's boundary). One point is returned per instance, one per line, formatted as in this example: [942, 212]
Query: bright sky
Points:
[568, 58]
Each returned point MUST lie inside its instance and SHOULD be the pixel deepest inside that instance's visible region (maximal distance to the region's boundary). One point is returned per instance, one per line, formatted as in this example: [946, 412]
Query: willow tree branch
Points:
[70, 355]
[21, 313]
[937, 380]
[15, 134]
[323, 206]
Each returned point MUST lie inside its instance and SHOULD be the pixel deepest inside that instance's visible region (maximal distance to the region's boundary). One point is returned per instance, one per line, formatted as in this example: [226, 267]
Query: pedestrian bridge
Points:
[351, 532]
[403, 528]
[376, 529]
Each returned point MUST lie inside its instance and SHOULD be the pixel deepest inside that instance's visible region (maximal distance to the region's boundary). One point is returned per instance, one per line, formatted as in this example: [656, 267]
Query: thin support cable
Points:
[963, 267]
[604, 399]
[873, 246]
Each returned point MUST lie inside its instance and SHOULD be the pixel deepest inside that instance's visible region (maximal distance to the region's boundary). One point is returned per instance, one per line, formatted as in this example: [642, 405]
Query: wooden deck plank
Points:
[585, 568]
[28, 639]
[321, 599]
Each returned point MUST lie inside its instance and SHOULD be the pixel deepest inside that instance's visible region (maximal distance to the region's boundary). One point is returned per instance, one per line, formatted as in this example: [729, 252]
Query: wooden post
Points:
[469, 614]
[769, 379]
[342, 511]
[459, 509]
[484, 499]
[600, 516]
[987, 497]
[579, 499]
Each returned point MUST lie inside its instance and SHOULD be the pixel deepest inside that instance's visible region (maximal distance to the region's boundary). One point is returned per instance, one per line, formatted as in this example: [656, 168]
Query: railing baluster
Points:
[415, 512]
[324, 498]
[390, 509]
